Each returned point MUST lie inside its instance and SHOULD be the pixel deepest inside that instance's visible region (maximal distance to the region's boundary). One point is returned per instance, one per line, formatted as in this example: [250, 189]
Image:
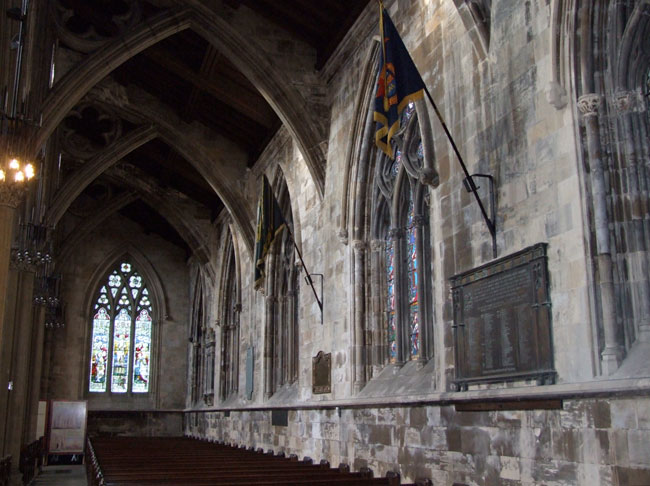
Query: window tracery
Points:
[120, 354]
[401, 220]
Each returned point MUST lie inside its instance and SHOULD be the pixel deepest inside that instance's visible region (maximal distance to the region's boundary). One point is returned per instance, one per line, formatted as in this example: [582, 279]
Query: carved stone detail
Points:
[624, 101]
[556, 95]
[88, 129]
[110, 92]
[377, 245]
[11, 194]
[396, 233]
[588, 104]
[343, 236]
[83, 33]
[359, 245]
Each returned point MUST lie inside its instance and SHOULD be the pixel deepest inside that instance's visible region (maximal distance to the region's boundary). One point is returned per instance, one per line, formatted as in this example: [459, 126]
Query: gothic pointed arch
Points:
[266, 78]
[389, 213]
[125, 306]
[230, 310]
[282, 298]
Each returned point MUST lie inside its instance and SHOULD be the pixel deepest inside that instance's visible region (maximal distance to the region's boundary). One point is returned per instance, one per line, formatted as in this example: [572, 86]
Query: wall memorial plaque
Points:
[322, 373]
[502, 321]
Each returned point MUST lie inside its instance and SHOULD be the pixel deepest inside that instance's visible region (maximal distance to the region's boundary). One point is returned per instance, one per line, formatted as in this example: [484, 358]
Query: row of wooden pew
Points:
[125, 461]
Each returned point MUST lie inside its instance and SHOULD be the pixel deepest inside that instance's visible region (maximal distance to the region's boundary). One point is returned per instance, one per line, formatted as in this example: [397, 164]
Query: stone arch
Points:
[191, 144]
[271, 84]
[229, 303]
[367, 349]
[93, 168]
[157, 295]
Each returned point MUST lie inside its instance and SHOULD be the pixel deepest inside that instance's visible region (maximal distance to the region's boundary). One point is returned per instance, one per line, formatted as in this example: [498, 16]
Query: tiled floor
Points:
[62, 476]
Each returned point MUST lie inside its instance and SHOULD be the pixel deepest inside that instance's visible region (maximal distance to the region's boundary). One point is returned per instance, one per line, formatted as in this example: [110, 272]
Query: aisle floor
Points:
[62, 476]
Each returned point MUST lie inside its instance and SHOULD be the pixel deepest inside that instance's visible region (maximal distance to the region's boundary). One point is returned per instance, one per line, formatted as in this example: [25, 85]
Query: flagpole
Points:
[472, 186]
[308, 277]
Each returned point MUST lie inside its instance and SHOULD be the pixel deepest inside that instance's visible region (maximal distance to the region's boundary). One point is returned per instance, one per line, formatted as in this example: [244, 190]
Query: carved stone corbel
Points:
[588, 104]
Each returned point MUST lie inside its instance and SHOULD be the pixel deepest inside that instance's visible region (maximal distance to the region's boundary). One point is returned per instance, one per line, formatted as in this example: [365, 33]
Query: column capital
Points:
[359, 245]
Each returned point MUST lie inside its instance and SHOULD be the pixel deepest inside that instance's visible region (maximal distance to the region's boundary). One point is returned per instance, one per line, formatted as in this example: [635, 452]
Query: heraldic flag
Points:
[270, 222]
[399, 83]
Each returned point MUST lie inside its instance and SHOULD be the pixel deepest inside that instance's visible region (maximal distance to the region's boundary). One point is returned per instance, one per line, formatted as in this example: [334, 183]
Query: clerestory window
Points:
[122, 324]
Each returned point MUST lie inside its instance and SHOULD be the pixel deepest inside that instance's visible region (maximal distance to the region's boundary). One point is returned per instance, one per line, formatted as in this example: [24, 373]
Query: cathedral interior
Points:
[472, 308]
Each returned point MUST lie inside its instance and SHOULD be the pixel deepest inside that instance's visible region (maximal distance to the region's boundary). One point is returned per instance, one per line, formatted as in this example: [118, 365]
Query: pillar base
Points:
[611, 359]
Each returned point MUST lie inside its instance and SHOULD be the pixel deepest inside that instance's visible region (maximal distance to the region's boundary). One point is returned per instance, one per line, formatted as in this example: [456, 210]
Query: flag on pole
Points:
[270, 223]
[399, 83]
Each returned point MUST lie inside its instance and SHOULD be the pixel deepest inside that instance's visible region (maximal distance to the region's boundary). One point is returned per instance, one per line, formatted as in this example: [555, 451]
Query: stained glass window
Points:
[390, 304]
[404, 279]
[412, 279]
[99, 351]
[121, 338]
[142, 347]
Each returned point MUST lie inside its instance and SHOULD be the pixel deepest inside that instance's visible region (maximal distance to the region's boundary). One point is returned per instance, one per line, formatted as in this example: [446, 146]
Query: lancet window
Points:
[230, 327]
[401, 232]
[122, 326]
[282, 304]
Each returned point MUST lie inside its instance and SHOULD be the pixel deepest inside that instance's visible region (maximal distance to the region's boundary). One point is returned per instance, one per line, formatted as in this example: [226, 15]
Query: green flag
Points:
[270, 222]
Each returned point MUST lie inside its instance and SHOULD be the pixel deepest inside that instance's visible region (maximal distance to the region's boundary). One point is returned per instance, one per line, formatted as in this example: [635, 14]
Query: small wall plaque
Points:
[280, 418]
[322, 373]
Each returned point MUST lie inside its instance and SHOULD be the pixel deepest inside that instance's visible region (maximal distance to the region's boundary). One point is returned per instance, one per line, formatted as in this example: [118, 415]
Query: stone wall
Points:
[495, 104]
[67, 360]
[588, 442]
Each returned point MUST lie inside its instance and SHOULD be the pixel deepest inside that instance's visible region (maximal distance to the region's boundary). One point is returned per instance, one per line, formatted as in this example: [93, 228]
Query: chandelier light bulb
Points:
[2, 175]
[20, 177]
[14, 164]
[29, 171]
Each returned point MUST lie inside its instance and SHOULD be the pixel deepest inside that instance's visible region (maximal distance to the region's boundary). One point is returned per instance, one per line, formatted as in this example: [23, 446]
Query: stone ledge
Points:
[565, 391]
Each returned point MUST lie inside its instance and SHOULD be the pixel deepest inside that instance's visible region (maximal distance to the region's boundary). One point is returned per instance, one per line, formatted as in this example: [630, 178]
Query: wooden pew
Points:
[189, 462]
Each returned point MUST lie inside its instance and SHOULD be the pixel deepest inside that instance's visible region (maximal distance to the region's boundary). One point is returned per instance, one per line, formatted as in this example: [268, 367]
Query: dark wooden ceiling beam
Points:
[292, 21]
[252, 105]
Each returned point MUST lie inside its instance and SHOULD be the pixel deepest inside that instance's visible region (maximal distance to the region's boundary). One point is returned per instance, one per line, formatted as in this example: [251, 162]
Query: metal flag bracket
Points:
[470, 186]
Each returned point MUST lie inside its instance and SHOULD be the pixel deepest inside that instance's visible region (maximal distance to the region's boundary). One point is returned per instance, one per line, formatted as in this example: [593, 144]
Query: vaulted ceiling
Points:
[195, 81]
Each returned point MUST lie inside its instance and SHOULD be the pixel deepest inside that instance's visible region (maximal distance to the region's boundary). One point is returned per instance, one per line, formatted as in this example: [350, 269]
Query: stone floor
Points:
[62, 476]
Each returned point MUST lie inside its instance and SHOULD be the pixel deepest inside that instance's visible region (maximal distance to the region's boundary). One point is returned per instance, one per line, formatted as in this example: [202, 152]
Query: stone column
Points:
[19, 369]
[359, 350]
[636, 224]
[269, 328]
[423, 308]
[588, 105]
[9, 199]
[269, 347]
[36, 365]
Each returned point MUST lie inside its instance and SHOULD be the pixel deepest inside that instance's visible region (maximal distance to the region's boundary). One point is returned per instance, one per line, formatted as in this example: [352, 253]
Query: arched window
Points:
[282, 308]
[230, 326]
[122, 325]
[401, 221]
